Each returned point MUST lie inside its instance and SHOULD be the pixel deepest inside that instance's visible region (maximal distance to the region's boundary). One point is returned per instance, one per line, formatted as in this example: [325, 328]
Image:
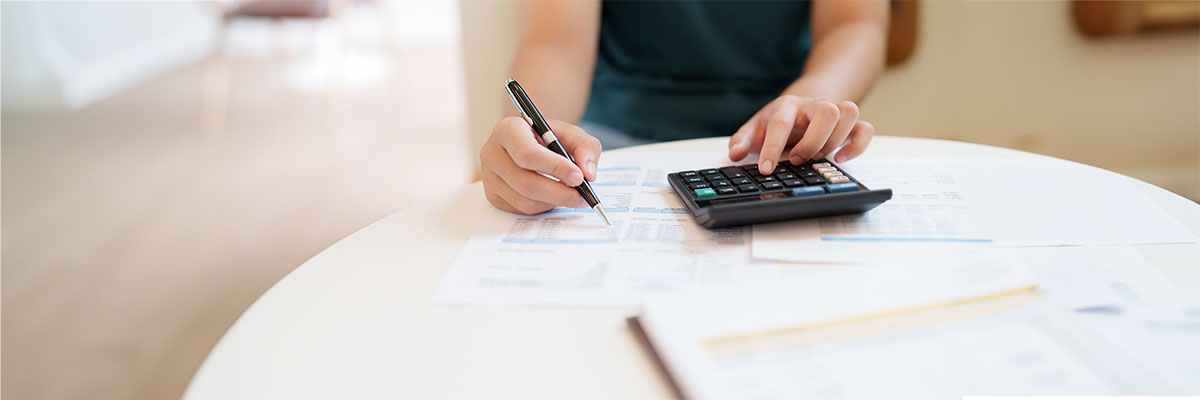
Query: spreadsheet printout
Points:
[568, 256]
[950, 205]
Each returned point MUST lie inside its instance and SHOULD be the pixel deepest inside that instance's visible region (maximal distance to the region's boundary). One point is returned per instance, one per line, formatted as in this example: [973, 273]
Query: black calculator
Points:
[740, 195]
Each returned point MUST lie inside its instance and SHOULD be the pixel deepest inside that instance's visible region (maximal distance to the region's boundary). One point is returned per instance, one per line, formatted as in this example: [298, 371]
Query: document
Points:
[1093, 279]
[569, 257]
[952, 330]
[951, 205]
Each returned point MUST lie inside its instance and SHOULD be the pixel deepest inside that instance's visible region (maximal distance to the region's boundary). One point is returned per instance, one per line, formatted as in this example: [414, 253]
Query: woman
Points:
[777, 76]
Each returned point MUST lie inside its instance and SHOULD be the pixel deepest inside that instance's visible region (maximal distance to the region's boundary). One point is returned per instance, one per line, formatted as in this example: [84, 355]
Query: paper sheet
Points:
[949, 205]
[1038, 344]
[569, 257]
[1093, 279]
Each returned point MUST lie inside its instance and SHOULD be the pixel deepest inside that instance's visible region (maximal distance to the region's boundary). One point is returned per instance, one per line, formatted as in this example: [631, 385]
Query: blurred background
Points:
[164, 163]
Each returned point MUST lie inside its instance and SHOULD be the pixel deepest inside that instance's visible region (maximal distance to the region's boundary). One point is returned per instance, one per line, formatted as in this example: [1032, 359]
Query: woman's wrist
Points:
[813, 87]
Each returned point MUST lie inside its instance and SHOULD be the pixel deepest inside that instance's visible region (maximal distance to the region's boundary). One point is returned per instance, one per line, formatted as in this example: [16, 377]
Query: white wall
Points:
[1016, 74]
[59, 55]
[489, 42]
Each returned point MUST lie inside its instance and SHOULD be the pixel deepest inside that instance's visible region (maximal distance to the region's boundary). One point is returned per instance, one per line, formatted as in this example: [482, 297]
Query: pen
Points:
[531, 114]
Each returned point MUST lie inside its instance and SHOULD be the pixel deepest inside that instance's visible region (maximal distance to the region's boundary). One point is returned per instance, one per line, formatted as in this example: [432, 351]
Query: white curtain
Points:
[71, 54]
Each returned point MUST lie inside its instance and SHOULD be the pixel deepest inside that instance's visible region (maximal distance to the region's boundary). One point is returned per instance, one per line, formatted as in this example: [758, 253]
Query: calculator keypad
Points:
[807, 179]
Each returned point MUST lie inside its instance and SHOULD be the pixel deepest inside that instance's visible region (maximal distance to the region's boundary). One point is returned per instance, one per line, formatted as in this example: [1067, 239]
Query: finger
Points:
[523, 148]
[779, 129]
[823, 116]
[584, 148]
[489, 189]
[860, 137]
[534, 186]
[847, 117]
[741, 141]
[498, 188]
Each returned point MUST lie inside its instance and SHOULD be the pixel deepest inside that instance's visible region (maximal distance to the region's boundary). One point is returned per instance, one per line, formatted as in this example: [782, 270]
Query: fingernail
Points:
[591, 166]
[839, 158]
[766, 167]
[818, 156]
[575, 178]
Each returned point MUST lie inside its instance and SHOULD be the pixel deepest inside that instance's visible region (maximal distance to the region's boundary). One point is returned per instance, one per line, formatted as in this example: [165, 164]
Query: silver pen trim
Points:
[600, 209]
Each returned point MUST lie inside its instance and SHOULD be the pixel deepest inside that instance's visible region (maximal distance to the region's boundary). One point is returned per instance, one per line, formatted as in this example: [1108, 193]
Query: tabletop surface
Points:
[356, 321]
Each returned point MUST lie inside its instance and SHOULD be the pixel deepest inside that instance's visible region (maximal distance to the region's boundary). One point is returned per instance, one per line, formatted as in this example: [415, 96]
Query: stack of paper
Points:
[941, 306]
[917, 332]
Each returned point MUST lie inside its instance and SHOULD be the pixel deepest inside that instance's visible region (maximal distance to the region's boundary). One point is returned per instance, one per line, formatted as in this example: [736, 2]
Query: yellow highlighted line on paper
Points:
[865, 317]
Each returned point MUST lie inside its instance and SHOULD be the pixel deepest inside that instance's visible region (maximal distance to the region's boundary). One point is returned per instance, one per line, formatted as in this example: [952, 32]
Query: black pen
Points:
[531, 114]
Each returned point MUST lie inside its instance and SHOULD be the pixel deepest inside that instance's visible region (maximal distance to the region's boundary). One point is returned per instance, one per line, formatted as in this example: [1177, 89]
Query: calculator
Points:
[740, 195]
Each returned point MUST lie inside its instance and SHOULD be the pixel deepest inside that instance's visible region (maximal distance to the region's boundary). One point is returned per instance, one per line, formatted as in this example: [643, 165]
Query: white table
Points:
[356, 321]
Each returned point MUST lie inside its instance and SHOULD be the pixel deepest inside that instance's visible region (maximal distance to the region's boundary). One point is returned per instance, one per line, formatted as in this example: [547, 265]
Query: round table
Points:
[356, 321]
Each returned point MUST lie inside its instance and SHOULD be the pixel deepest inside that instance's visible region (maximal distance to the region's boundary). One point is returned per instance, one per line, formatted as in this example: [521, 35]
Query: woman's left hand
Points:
[811, 128]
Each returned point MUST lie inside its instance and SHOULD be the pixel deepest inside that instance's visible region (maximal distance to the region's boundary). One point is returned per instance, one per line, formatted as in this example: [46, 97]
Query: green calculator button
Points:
[705, 192]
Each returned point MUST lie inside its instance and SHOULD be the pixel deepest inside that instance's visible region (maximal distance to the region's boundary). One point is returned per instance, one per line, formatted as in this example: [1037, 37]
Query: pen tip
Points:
[600, 209]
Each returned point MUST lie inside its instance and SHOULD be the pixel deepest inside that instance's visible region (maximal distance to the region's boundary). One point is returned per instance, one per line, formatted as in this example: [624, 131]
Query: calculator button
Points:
[771, 185]
[720, 182]
[709, 171]
[765, 178]
[726, 190]
[705, 192]
[822, 165]
[713, 177]
[693, 179]
[733, 172]
[842, 187]
[793, 182]
[816, 180]
[751, 170]
[827, 169]
[741, 181]
[828, 175]
[808, 174]
[700, 185]
[785, 176]
[839, 179]
[747, 188]
[807, 191]
[686, 174]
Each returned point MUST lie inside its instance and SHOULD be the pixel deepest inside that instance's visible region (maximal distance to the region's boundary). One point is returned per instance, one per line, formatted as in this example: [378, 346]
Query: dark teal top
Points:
[669, 70]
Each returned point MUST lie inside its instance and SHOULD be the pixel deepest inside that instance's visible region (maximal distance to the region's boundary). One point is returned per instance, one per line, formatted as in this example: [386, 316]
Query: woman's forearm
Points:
[557, 56]
[845, 60]
[559, 85]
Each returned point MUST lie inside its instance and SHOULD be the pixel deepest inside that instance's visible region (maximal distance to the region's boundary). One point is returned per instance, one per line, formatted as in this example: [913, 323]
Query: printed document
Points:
[569, 257]
[953, 330]
[949, 205]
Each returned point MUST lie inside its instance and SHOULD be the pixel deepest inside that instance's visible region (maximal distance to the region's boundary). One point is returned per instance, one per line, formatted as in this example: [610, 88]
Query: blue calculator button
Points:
[807, 191]
[843, 187]
[705, 192]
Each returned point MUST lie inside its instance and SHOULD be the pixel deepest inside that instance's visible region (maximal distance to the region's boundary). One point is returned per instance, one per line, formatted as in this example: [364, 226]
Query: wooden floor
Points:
[137, 230]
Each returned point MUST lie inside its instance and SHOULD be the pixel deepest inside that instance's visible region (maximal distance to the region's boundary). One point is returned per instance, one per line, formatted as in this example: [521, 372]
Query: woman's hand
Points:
[811, 128]
[513, 160]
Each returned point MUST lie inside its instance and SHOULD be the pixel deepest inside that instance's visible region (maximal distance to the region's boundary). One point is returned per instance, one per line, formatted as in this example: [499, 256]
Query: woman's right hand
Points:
[513, 160]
